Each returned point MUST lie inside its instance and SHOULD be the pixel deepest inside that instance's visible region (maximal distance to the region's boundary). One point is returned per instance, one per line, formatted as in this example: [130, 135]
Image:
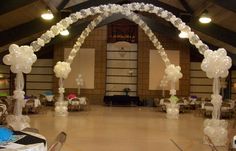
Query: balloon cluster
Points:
[79, 80]
[216, 63]
[216, 100]
[20, 58]
[61, 108]
[18, 122]
[217, 131]
[172, 111]
[62, 69]
[173, 72]
[61, 90]
[19, 94]
[164, 82]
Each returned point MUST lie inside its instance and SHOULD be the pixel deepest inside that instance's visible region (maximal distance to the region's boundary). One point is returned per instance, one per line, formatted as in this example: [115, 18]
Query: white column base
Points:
[172, 111]
[217, 131]
[61, 108]
[18, 122]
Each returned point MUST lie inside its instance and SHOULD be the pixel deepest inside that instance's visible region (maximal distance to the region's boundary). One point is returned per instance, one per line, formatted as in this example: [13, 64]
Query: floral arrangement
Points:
[5, 134]
[71, 96]
[174, 99]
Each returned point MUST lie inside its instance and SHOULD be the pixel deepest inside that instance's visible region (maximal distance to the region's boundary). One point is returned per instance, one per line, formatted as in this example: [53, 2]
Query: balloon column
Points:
[20, 59]
[80, 82]
[216, 65]
[173, 75]
[61, 69]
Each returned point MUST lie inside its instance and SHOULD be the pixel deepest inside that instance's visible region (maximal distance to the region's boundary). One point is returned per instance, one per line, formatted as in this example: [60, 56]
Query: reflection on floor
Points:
[123, 129]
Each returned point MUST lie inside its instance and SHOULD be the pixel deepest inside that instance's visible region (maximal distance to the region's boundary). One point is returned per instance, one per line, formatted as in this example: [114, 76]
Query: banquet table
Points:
[37, 102]
[25, 141]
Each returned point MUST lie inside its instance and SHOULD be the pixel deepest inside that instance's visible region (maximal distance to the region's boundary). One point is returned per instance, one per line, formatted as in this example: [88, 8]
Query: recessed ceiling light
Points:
[48, 15]
[205, 18]
[183, 35]
[65, 33]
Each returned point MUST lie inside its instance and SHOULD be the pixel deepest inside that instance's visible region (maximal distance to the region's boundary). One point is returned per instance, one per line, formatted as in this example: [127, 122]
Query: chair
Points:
[181, 106]
[29, 106]
[166, 101]
[74, 105]
[3, 113]
[225, 110]
[157, 104]
[30, 129]
[84, 103]
[58, 143]
[210, 143]
[208, 109]
[43, 99]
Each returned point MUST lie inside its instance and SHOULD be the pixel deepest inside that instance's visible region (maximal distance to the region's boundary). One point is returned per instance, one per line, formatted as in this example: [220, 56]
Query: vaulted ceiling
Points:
[20, 21]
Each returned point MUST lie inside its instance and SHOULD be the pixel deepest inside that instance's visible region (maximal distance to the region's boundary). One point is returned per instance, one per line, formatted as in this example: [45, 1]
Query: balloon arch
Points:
[215, 63]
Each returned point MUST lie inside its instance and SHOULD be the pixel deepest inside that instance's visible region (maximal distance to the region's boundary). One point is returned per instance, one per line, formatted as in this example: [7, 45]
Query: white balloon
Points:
[7, 59]
[13, 48]
[225, 74]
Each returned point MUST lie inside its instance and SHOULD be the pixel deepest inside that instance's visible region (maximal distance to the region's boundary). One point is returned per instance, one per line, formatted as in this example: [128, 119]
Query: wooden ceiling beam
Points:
[227, 4]
[62, 4]
[215, 31]
[88, 4]
[50, 6]
[186, 6]
[10, 5]
[25, 30]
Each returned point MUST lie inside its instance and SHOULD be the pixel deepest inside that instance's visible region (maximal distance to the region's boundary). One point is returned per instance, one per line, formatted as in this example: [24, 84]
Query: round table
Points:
[25, 141]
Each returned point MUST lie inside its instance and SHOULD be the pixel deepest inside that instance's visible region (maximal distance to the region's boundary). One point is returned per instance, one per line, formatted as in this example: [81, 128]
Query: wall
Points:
[144, 46]
[200, 85]
[157, 68]
[4, 80]
[40, 79]
[121, 68]
[233, 84]
[84, 64]
[97, 40]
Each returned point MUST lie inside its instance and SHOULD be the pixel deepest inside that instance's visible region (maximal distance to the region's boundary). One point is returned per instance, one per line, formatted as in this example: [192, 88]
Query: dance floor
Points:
[123, 129]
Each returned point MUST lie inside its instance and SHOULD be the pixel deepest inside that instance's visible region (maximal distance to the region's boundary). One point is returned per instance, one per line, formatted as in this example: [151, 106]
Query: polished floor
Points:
[123, 129]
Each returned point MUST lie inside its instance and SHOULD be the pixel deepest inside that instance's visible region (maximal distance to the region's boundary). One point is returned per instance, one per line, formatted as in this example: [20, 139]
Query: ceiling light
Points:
[48, 15]
[205, 18]
[65, 32]
[183, 34]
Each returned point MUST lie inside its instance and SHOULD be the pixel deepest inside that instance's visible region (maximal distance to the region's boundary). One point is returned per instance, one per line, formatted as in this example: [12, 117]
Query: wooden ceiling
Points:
[20, 21]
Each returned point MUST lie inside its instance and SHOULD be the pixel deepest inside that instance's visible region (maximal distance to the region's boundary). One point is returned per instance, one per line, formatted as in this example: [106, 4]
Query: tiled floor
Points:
[123, 129]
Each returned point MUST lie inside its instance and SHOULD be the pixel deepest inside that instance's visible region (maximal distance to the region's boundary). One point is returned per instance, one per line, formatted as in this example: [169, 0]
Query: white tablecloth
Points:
[49, 97]
[82, 100]
[37, 102]
[4, 107]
